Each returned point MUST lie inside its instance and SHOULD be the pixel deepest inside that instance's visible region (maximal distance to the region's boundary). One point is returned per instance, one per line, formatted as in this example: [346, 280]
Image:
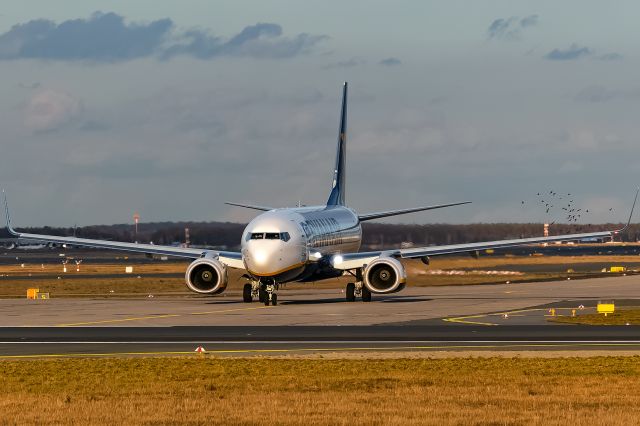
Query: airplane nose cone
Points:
[270, 259]
[262, 259]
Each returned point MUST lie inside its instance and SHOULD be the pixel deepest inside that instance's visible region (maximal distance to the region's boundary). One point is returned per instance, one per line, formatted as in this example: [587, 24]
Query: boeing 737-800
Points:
[304, 244]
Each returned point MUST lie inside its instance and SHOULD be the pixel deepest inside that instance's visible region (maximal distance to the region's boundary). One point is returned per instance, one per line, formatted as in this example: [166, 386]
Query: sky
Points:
[172, 108]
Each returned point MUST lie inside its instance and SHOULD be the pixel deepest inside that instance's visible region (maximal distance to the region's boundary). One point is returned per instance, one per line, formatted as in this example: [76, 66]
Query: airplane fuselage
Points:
[294, 244]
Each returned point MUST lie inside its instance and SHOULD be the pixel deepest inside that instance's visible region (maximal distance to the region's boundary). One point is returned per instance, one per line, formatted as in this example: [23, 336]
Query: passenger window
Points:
[272, 236]
[284, 236]
[257, 236]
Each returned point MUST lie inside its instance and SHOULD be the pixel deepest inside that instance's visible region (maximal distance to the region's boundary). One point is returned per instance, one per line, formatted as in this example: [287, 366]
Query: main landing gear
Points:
[250, 291]
[358, 289]
[265, 293]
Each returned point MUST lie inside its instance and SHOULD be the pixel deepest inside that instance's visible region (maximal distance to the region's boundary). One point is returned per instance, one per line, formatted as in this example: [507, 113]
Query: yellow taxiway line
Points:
[148, 317]
[464, 319]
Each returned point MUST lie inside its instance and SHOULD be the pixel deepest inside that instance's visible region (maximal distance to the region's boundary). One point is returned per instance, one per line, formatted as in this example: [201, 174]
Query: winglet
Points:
[630, 214]
[7, 215]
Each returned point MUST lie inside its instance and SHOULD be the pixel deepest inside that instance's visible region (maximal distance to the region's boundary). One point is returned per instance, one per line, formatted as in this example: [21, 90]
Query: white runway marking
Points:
[326, 342]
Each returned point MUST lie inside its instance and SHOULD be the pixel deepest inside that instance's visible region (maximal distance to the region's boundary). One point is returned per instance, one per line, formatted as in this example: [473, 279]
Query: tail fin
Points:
[336, 198]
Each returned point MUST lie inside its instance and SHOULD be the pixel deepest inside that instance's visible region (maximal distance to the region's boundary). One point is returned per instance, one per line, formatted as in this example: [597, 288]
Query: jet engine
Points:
[207, 276]
[385, 275]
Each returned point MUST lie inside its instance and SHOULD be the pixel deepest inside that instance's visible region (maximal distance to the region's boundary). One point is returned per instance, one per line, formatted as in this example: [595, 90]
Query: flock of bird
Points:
[553, 201]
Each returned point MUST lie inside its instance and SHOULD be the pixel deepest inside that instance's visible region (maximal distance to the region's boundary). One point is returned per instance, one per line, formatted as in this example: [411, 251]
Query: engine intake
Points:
[207, 276]
[385, 275]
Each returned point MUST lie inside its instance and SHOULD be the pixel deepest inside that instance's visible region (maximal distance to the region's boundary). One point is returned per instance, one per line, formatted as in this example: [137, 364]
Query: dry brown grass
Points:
[496, 261]
[471, 391]
[625, 316]
[95, 287]
[99, 268]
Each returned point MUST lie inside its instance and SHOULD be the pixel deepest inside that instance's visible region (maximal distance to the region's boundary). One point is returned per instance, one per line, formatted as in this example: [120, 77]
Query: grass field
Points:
[467, 391]
[626, 316]
[16, 279]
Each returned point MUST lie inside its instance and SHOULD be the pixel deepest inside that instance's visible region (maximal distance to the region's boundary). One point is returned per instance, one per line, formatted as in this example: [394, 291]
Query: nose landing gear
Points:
[270, 295]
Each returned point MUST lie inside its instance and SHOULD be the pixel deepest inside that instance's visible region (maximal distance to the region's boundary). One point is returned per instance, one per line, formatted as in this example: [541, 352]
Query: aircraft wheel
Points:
[246, 293]
[366, 295]
[266, 300]
[351, 292]
[262, 295]
[274, 299]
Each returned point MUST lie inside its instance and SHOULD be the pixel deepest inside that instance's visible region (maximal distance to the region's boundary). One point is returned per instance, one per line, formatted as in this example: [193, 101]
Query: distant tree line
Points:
[375, 235]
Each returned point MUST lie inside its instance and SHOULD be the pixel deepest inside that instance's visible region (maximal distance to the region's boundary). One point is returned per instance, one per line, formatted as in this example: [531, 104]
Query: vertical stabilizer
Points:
[336, 198]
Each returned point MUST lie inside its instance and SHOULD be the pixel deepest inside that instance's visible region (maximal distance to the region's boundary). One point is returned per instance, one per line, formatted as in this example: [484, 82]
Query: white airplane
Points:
[305, 244]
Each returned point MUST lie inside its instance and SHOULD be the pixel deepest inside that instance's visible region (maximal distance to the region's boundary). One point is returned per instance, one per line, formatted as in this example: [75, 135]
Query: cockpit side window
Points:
[257, 236]
[284, 236]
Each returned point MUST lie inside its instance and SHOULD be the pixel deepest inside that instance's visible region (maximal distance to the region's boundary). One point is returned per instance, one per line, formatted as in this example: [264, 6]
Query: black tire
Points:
[351, 292]
[262, 295]
[246, 293]
[266, 300]
[366, 295]
[274, 299]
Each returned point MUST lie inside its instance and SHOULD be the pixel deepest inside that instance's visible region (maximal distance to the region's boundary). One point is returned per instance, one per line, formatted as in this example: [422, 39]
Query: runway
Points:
[480, 317]
[106, 341]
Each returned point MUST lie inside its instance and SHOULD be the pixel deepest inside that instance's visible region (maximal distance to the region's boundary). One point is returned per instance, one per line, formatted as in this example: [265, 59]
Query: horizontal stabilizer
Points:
[248, 206]
[378, 215]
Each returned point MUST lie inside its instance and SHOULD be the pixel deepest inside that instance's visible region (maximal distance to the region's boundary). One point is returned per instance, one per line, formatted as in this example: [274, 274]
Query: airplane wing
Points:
[231, 259]
[378, 215]
[358, 260]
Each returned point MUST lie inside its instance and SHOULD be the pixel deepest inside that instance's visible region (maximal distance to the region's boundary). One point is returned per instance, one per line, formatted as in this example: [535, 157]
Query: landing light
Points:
[317, 255]
[337, 260]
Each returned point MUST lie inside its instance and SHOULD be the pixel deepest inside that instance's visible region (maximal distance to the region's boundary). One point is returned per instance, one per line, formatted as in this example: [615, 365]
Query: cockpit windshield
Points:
[284, 236]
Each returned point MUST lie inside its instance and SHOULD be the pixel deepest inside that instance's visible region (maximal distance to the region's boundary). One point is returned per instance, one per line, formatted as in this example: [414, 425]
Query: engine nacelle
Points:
[385, 275]
[207, 276]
